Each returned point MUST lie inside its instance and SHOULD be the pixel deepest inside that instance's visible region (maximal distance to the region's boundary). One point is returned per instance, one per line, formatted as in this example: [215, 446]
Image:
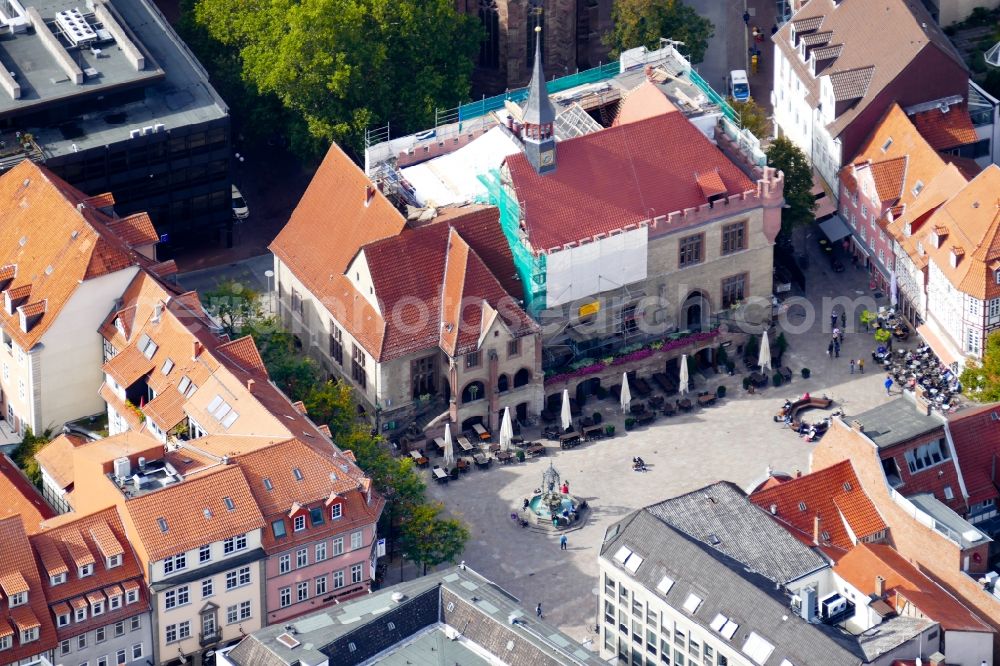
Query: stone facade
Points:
[572, 32]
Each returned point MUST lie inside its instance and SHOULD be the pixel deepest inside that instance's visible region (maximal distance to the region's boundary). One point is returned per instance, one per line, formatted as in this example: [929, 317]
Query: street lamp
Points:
[270, 302]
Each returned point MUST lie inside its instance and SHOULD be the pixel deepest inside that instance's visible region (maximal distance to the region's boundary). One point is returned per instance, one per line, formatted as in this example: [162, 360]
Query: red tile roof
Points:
[946, 130]
[834, 494]
[976, 434]
[136, 230]
[333, 206]
[19, 497]
[103, 529]
[18, 560]
[644, 101]
[864, 562]
[423, 264]
[620, 176]
[54, 241]
[244, 353]
[128, 366]
[888, 176]
[183, 507]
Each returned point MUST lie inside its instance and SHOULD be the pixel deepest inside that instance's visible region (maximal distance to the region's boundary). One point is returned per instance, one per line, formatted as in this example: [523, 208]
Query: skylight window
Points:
[162, 522]
[228, 501]
[692, 603]
[230, 419]
[665, 584]
[633, 562]
[268, 485]
[885, 146]
[297, 473]
[757, 648]
[147, 346]
[622, 555]
[214, 405]
[185, 383]
[719, 621]
[918, 188]
[168, 365]
[802, 506]
[847, 486]
[728, 630]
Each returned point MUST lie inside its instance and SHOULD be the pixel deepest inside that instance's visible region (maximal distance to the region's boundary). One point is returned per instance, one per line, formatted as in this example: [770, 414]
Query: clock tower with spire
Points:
[539, 141]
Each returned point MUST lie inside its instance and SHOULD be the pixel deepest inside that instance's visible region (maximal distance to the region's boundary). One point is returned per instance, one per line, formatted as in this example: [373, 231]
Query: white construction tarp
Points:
[452, 178]
[591, 268]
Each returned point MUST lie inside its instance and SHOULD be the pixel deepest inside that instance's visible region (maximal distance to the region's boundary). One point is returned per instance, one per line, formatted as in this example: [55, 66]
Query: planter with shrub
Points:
[629, 423]
[720, 392]
[519, 454]
[805, 373]
[747, 383]
[609, 430]
[597, 418]
[777, 379]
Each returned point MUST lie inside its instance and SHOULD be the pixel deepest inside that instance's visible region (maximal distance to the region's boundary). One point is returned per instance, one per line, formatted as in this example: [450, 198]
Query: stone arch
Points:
[696, 311]
[503, 383]
[473, 391]
[522, 377]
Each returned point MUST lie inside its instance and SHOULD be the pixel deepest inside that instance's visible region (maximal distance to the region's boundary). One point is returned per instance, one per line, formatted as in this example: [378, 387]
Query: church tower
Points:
[539, 141]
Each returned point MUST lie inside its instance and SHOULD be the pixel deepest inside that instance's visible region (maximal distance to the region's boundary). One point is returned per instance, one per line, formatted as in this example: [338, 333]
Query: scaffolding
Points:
[530, 268]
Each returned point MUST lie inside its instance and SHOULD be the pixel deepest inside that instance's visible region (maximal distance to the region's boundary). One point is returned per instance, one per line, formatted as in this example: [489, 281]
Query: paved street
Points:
[727, 48]
[249, 272]
[735, 440]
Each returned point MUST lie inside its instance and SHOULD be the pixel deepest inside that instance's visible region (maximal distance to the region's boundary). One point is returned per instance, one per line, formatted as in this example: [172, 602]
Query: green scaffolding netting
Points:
[530, 269]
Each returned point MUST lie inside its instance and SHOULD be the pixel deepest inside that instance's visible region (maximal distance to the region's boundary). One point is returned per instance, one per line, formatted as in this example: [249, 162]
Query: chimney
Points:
[857, 426]
[936, 659]
[369, 194]
[817, 522]
[880, 587]
[920, 401]
[197, 349]
[157, 311]
[249, 384]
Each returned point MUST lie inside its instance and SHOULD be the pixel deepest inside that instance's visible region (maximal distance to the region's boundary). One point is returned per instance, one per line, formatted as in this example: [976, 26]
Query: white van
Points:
[739, 86]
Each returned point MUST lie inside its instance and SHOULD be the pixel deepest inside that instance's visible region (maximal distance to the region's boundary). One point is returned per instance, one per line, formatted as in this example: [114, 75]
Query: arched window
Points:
[489, 48]
[503, 383]
[522, 377]
[473, 391]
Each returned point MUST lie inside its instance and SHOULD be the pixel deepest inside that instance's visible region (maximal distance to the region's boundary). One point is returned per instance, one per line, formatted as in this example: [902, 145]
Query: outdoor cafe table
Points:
[480, 431]
[465, 444]
[481, 460]
[440, 475]
[505, 457]
[536, 449]
[706, 399]
[439, 442]
[416, 455]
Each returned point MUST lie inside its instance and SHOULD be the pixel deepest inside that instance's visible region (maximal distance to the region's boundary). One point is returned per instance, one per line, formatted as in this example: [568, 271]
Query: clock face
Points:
[547, 157]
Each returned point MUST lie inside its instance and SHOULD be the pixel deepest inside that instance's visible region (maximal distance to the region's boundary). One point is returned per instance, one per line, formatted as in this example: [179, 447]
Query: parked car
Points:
[739, 85]
[240, 209]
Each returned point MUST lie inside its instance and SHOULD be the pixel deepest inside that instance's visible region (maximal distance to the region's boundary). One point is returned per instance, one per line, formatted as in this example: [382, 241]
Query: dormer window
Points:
[97, 608]
[918, 187]
[62, 620]
[57, 579]
[131, 596]
[81, 614]
[85, 570]
[337, 510]
[114, 602]
[113, 561]
[29, 635]
[299, 523]
[5, 642]
[935, 239]
[996, 276]
[18, 599]
[908, 230]
[955, 256]
[920, 250]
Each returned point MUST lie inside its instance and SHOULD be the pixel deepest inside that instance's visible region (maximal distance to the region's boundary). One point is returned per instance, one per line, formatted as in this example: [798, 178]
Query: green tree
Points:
[234, 305]
[800, 203]
[332, 403]
[295, 373]
[430, 540]
[24, 454]
[981, 381]
[752, 116]
[644, 22]
[340, 66]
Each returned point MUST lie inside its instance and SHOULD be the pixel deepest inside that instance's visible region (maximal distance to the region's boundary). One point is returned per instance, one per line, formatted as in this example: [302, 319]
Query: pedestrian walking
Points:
[836, 348]
[746, 18]
[829, 349]
[843, 319]
[562, 542]
[861, 365]
[538, 610]
[833, 320]
[774, 28]
[852, 366]
[888, 384]
[836, 333]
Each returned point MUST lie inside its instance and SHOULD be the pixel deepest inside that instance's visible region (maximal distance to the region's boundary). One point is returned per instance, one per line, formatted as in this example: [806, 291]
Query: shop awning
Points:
[944, 351]
[834, 229]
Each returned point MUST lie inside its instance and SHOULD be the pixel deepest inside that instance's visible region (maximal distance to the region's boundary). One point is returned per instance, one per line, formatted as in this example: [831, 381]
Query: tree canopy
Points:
[981, 381]
[644, 22]
[429, 539]
[800, 203]
[752, 116]
[340, 66]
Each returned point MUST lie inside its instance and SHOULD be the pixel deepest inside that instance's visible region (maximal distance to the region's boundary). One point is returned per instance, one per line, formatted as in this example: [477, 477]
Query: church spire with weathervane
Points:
[539, 141]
